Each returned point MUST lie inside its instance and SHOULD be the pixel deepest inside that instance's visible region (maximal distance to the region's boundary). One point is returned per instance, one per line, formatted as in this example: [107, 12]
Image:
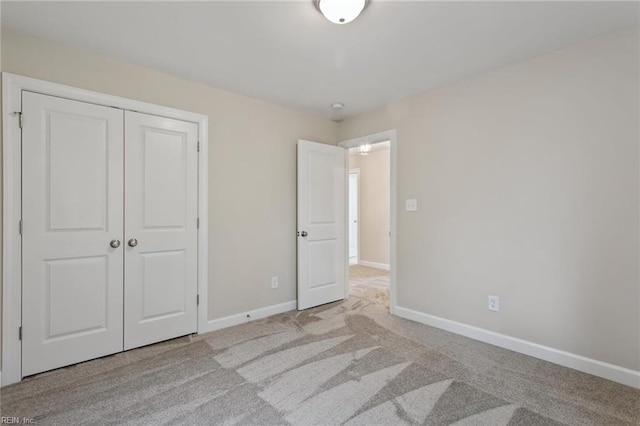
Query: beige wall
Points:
[252, 202]
[374, 205]
[526, 177]
[527, 188]
[1, 183]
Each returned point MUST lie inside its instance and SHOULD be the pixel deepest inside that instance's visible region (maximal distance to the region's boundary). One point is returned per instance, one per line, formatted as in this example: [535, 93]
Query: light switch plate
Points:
[411, 205]
[493, 303]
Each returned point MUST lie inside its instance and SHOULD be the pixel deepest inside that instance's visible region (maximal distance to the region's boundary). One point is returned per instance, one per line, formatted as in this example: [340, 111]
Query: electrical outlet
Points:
[494, 303]
[274, 282]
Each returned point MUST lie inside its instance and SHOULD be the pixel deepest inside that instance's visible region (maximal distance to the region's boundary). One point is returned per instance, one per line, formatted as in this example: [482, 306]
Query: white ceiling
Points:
[287, 53]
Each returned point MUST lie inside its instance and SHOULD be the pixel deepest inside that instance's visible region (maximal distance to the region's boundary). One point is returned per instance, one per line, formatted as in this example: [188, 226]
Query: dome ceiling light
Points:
[364, 149]
[340, 11]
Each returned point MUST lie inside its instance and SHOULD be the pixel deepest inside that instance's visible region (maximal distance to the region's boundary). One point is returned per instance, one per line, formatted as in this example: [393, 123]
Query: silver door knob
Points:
[133, 242]
[304, 233]
[115, 243]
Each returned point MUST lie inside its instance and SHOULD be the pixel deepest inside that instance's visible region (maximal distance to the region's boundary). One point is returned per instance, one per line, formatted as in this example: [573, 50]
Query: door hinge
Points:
[19, 118]
[20, 227]
[198, 223]
[20, 333]
[197, 299]
[198, 146]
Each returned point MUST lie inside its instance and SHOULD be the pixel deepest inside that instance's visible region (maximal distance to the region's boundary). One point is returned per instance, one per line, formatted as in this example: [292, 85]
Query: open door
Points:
[322, 233]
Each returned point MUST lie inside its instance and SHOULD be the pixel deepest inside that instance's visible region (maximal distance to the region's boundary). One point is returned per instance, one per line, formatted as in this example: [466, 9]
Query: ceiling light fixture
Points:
[340, 11]
[364, 149]
[337, 106]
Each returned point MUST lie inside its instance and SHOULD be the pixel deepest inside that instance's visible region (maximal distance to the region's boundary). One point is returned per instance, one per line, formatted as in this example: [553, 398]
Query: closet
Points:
[109, 230]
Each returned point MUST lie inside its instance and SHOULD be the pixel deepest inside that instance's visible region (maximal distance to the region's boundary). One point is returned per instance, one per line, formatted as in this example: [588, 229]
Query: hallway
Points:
[371, 284]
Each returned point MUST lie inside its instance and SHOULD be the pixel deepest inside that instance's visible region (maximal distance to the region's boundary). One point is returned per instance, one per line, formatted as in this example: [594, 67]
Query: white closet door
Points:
[161, 170]
[72, 177]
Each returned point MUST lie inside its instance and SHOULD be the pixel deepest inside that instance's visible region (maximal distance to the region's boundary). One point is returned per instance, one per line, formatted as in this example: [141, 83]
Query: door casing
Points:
[356, 173]
[12, 87]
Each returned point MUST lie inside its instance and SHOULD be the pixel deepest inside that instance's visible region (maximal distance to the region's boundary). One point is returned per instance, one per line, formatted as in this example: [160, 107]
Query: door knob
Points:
[115, 243]
[133, 242]
[304, 233]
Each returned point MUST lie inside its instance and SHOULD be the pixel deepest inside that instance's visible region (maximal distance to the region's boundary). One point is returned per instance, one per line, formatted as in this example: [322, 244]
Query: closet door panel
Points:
[161, 170]
[72, 181]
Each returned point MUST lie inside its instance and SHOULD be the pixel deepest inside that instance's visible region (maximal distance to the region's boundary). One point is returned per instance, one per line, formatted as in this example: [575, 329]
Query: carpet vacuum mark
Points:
[332, 365]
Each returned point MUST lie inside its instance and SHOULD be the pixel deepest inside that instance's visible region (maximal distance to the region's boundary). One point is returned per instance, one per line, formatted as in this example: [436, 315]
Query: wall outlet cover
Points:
[411, 205]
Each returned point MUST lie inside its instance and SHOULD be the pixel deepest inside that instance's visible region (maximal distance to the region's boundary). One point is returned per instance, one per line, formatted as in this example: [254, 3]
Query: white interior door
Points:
[353, 217]
[72, 183]
[322, 239]
[160, 229]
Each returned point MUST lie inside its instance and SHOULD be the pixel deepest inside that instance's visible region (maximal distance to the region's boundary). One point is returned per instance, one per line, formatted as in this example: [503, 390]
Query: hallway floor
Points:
[368, 283]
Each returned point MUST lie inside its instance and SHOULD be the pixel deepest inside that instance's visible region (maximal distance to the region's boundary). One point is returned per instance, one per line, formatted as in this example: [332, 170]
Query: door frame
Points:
[12, 87]
[392, 137]
[357, 173]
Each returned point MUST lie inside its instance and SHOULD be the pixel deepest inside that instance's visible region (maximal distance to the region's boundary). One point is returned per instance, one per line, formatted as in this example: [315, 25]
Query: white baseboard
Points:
[376, 265]
[577, 362]
[231, 320]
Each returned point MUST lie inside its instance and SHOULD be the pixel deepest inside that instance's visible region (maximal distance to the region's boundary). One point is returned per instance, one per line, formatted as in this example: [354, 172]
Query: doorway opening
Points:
[369, 219]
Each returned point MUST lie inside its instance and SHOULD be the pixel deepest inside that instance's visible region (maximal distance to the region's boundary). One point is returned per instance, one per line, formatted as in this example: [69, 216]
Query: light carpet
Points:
[347, 363]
